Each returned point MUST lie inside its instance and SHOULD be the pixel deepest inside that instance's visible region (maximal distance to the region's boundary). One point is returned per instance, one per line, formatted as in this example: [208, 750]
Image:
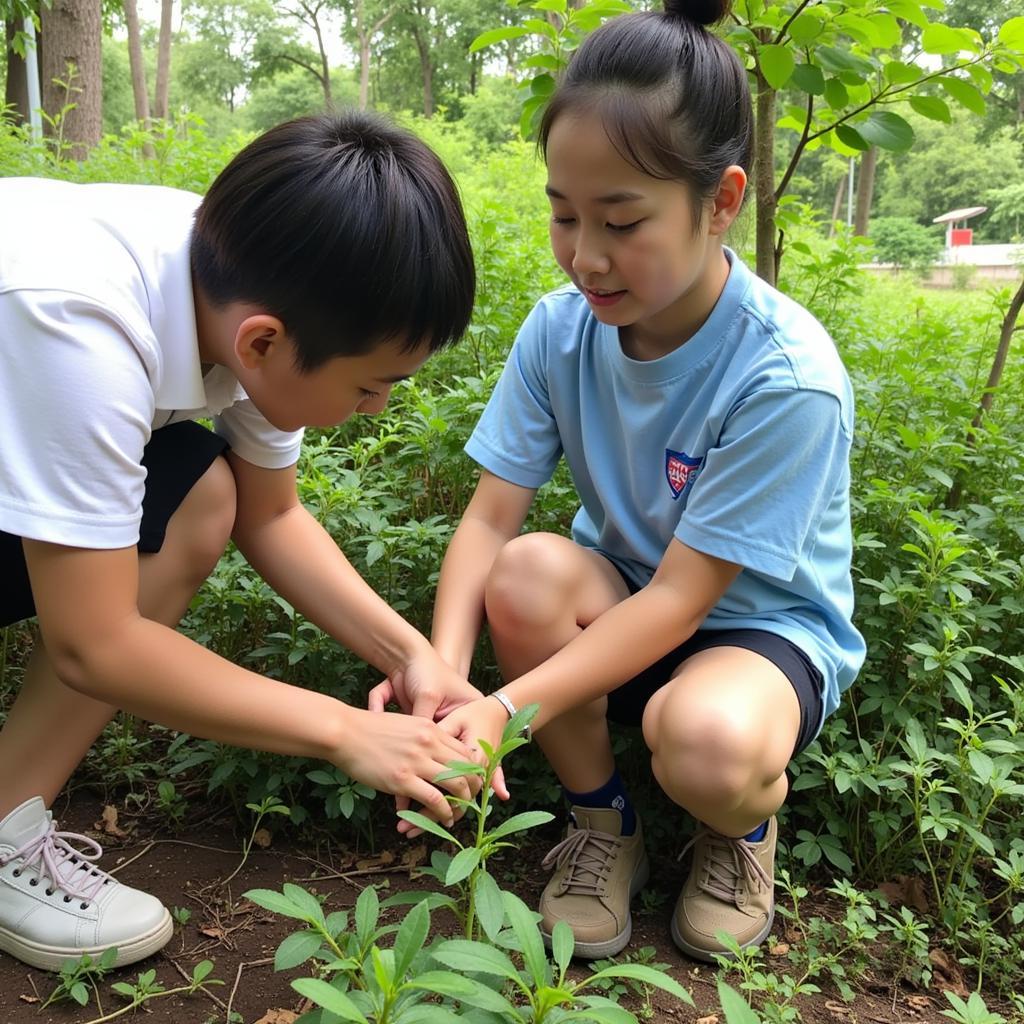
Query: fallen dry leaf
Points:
[920, 1002]
[779, 949]
[710, 1019]
[906, 891]
[837, 1009]
[108, 823]
[212, 932]
[262, 838]
[29, 999]
[278, 1017]
[384, 859]
[415, 855]
[948, 975]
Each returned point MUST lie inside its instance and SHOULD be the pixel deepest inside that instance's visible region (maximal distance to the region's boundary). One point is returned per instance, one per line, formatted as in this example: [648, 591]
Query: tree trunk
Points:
[427, 68]
[865, 191]
[837, 205]
[764, 182]
[994, 377]
[163, 60]
[364, 71]
[325, 67]
[72, 31]
[16, 90]
[139, 89]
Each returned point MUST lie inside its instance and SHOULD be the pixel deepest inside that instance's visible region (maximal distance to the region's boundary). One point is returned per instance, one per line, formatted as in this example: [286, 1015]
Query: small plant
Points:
[181, 915]
[358, 979]
[77, 977]
[268, 805]
[615, 988]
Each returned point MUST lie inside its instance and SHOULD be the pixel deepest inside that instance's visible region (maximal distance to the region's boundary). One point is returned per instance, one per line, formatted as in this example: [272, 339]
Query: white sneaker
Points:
[55, 904]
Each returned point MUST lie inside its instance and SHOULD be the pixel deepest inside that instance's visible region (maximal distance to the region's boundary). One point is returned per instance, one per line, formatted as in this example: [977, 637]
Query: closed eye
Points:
[562, 220]
[368, 394]
[624, 228]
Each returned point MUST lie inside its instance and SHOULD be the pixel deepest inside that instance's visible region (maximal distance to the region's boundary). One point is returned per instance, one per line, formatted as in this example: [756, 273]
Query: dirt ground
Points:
[187, 871]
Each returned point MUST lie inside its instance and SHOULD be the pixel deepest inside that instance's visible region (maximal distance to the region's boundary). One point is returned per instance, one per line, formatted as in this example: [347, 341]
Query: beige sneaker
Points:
[597, 872]
[730, 889]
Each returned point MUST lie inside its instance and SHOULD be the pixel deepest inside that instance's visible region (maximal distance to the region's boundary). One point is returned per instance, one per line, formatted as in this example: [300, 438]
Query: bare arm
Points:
[613, 648]
[494, 515]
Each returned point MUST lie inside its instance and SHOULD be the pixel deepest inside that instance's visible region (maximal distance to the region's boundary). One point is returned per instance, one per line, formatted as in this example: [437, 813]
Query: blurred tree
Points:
[71, 67]
[163, 60]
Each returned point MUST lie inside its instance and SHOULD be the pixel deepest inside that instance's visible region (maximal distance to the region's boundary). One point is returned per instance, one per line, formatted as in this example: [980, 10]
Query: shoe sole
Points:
[616, 944]
[710, 956]
[53, 958]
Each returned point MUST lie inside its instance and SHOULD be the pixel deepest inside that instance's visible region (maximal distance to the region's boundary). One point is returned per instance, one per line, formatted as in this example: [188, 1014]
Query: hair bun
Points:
[702, 12]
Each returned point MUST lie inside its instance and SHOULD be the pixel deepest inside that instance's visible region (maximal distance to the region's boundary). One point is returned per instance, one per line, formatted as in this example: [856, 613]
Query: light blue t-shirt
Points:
[736, 443]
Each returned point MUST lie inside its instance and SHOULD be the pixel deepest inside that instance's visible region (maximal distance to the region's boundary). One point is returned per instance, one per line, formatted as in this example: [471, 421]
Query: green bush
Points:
[905, 243]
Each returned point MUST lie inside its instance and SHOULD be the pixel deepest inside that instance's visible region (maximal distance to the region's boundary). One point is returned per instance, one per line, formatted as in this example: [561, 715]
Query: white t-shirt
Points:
[98, 348]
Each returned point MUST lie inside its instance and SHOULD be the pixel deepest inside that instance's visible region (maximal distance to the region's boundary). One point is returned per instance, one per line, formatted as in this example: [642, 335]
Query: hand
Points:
[480, 719]
[427, 687]
[402, 755]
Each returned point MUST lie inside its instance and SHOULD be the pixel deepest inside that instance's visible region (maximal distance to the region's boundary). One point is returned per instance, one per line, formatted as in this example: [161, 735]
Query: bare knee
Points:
[201, 527]
[704, 754]
[530, 583]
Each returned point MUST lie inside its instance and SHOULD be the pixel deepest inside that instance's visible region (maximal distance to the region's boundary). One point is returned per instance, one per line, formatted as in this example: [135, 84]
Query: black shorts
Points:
[626, 704]
[175, 458]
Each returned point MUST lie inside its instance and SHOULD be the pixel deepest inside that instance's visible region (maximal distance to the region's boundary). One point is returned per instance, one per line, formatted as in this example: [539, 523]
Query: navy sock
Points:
[613, 795]
[758, 834]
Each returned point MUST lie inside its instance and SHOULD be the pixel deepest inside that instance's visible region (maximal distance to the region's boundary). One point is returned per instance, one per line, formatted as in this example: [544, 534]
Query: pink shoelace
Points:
[729, 862]
[589, 855]
[68, 869]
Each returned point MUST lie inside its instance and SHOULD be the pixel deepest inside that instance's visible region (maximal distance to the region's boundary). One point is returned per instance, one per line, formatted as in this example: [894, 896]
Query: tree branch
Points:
[798, 152]
[789, 21]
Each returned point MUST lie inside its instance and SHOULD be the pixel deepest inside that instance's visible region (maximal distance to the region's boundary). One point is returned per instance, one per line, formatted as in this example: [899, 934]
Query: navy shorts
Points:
[175, 458]
[626, 703]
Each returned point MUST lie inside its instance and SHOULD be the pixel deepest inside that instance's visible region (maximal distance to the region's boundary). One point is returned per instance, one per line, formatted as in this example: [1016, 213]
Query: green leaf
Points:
[737, 1010]
[526, 931]
[296, 949]
[497, 35]
[520, 822]
[410, 938]
[908, 10]
[428, 825]
[442, 983]
[490, 910]
[804, 28]
[851, 137]
[886, 29]
[941, 39]
[836, 95]
[898, 73]
[887, 131]
[562, 945]
[982, 765]
[776, 63]
[276, 903]
[1011, 33]
[306, 901]
[647, 975]
[462, 865]
[809, 79]
[931, 107]
[367, 914]
[80, 993]
[475, 957]
[329, 998]
[966, 94]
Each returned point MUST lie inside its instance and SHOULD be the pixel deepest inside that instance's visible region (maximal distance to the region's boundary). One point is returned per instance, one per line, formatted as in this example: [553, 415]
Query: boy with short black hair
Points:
[327, 262]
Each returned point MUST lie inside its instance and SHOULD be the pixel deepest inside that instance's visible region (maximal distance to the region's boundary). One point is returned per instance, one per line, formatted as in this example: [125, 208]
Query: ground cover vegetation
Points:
[903, 839]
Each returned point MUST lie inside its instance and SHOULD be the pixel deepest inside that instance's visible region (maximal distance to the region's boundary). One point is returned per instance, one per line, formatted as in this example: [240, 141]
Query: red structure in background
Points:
[956, 236]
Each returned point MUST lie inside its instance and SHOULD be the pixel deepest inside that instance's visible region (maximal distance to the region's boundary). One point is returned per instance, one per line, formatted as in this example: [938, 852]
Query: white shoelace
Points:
[589, 855]
[69, 870]
[730, 862]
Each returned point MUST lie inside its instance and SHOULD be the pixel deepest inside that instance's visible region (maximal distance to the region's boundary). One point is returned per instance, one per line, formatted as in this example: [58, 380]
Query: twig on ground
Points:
[238, 978]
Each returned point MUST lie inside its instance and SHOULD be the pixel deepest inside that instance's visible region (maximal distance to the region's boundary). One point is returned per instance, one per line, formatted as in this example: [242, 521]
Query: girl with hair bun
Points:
[706, 419]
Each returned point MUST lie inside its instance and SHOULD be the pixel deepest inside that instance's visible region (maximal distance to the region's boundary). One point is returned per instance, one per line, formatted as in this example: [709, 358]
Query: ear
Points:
[728, 199]
[259, 337]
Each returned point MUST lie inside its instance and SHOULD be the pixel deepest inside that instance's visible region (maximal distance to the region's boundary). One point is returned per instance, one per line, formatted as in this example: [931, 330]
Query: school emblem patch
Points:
[680, 470]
